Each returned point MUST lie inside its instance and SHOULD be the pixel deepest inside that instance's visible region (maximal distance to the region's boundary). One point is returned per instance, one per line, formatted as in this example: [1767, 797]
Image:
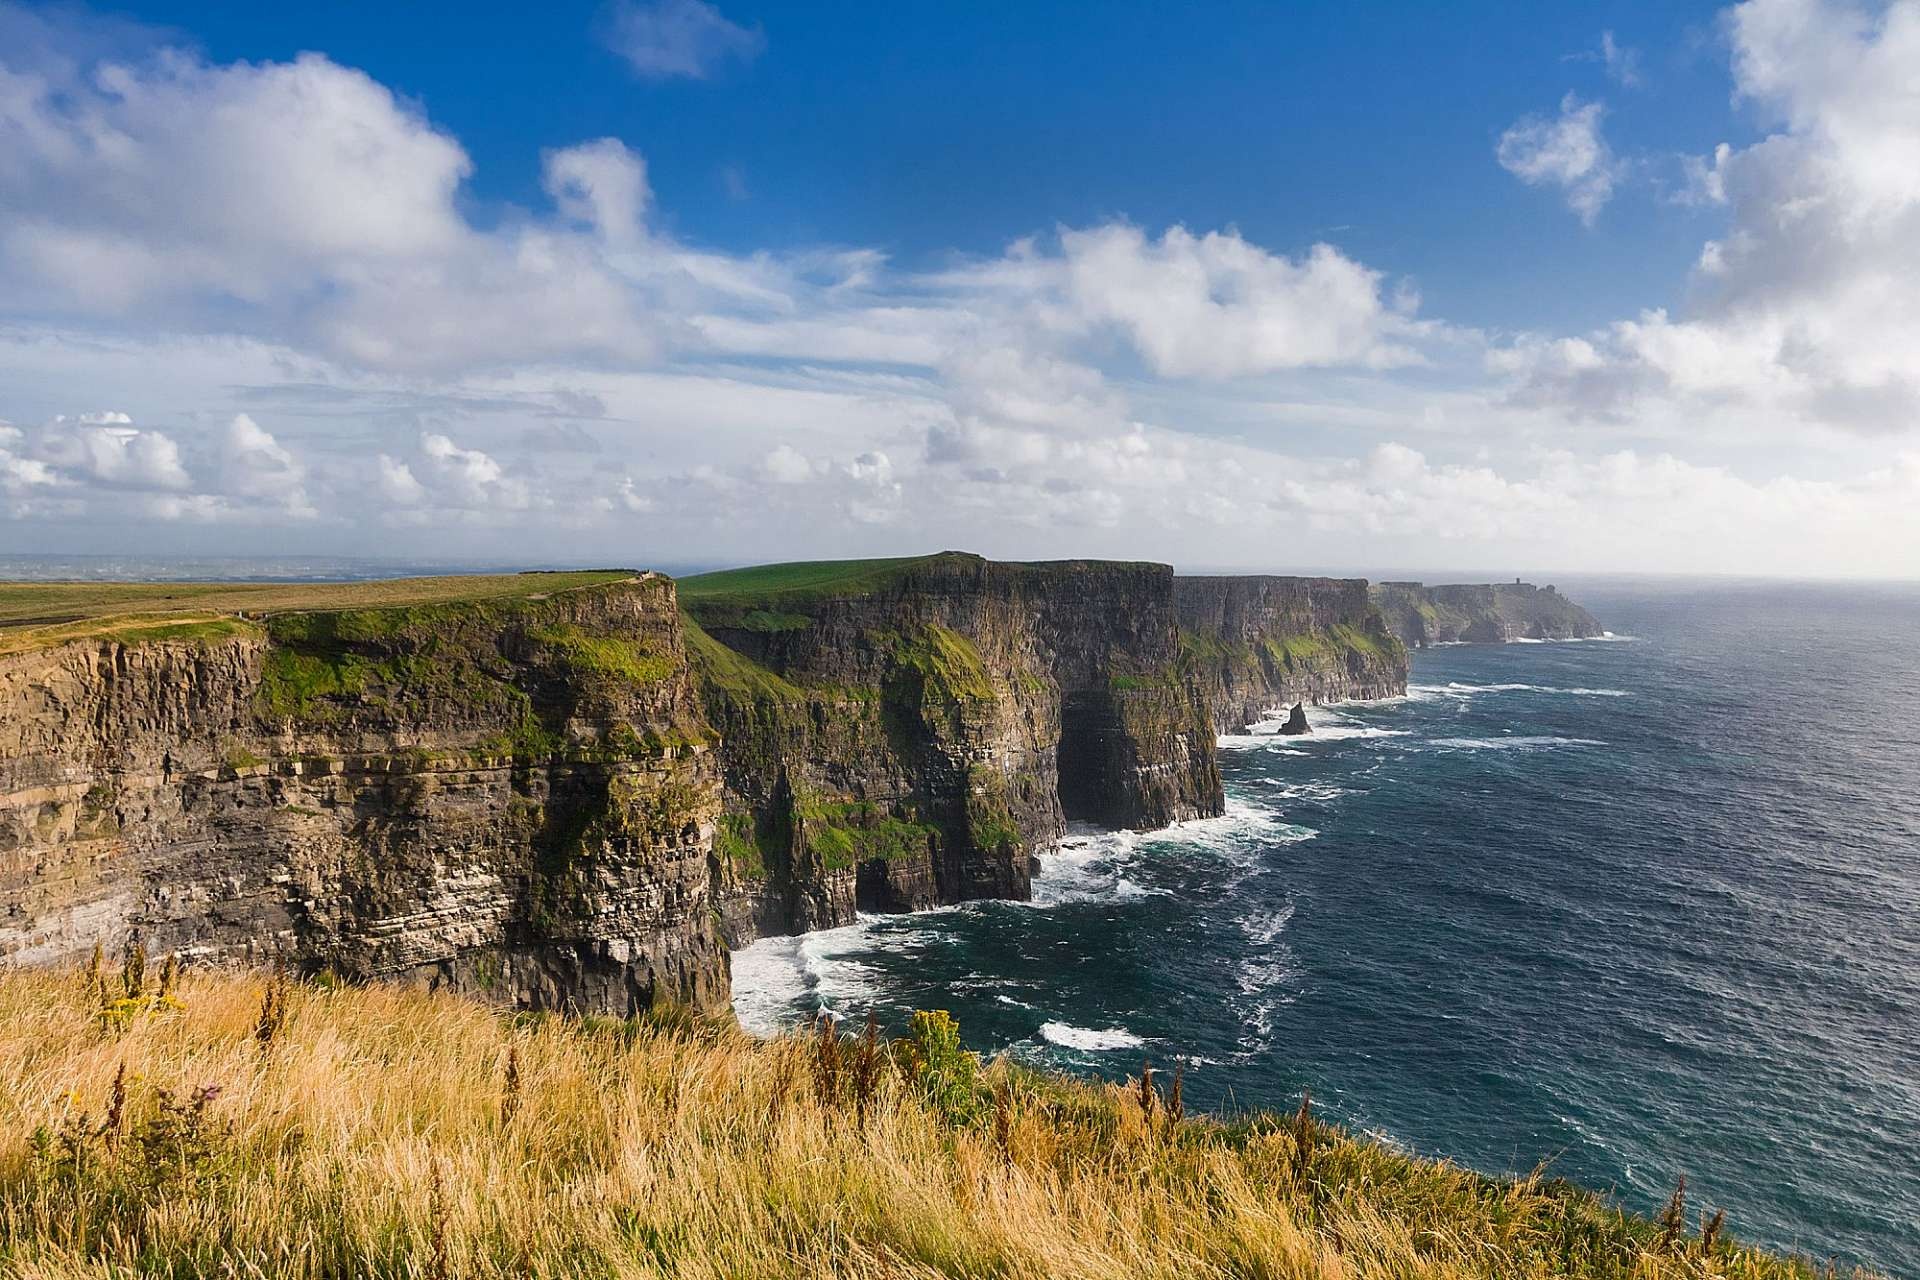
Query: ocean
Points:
[1622, 910]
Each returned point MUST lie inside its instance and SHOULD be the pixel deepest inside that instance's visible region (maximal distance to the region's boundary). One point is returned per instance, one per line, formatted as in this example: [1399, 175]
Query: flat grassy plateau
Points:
[212, 1124]
[35, 614]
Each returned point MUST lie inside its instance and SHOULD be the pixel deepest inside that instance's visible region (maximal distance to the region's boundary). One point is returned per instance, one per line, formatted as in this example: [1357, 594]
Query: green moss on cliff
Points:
[612, 657]
[991, 826]
[949, 666]
[738, 841]
[732, 675]
[846, 833]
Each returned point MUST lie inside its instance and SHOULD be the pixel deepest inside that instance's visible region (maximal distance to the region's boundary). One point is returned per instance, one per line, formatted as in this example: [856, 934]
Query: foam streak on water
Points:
[1641, 908]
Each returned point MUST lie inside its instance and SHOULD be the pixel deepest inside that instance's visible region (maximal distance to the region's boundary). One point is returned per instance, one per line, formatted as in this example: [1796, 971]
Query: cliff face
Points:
[513, 797]
[906, 736]
[573, 797]
[1257, 643]
[1491, 613]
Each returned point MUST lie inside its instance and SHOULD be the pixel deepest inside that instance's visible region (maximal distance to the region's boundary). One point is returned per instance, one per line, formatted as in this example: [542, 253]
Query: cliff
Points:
[1489, 613]
[560, 791]
[1260, 643]
[902, 733]
[512, 794]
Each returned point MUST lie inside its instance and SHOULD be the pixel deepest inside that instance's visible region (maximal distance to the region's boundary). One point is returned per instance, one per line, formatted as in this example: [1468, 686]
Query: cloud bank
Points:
[252, 295]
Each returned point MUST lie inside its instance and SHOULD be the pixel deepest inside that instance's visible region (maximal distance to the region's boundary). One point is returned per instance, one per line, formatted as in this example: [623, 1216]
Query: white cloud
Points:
[787, 465]
[1806, 312]
[668, 39]
[114, 456]
[1204, 306]
[397, 483]
[470, 478]
[1622, 63]
[255, 465]
[1567, 151]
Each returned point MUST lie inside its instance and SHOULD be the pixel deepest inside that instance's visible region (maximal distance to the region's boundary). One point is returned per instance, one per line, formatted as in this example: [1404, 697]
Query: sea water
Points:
[1623, 910]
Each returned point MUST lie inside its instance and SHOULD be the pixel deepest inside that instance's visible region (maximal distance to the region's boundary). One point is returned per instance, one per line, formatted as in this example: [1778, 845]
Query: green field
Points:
[39, 613]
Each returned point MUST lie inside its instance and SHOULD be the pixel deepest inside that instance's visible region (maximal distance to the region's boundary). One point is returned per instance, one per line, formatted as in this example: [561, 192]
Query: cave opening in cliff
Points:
[1084, 757]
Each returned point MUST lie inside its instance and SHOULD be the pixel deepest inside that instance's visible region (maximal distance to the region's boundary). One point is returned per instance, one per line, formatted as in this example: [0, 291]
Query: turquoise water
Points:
[1630, 909]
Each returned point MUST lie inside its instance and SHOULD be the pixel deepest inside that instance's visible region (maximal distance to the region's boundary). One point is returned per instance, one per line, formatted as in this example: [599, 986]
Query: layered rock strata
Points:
[908, 736]
[1486, 613]
[513, 797]
[1259, 644]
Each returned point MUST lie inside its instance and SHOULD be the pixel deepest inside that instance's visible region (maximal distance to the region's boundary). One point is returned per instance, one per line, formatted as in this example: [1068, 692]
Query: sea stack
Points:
[1296, 721]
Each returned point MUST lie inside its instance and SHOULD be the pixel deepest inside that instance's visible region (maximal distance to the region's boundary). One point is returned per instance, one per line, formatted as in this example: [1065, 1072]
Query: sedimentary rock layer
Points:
[1260, 643]
[515, 797]
[906, 733]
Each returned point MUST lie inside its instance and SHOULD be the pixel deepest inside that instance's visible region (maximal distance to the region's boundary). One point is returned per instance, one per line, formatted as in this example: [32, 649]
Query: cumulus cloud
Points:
[787, 465]
[1207, 306]
[669, 39]
[470, 478]
[105, 450]
[1807, 310]
[255, 465]
[1566, 151]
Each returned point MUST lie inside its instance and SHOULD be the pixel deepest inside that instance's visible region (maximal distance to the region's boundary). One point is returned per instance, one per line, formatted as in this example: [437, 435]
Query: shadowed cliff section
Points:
[502, 785]
[1485, 613]
[897, 734]
[1257, 643]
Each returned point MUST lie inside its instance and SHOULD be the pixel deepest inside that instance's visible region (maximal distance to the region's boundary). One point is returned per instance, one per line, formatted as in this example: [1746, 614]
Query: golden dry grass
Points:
[377, 1133]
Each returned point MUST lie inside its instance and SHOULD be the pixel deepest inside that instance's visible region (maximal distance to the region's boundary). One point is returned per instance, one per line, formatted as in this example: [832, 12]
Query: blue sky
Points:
[932, 129]
[1232, 284]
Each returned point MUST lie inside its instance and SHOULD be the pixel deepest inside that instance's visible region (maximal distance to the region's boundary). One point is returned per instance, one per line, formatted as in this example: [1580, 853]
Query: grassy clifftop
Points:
[33, 614]
[231, 1128]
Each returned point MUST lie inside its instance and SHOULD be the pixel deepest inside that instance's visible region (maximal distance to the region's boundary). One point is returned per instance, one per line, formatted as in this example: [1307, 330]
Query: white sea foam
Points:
[1087, 1039]
[1519, 742]
[1458, 689]
[779, 982]
[1328, 725]
[1264, 927]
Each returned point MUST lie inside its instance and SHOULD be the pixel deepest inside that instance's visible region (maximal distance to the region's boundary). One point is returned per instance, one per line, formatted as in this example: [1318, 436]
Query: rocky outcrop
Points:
[512, 797]
[1489, 613]
[1259, 643]
[907, 734]
[1296, 723]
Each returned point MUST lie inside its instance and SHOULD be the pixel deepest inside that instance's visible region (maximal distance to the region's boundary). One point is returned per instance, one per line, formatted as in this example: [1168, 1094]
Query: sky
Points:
[1611, 287]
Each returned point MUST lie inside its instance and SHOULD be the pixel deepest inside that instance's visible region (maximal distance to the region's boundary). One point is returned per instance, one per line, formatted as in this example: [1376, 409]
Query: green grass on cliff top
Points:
[38, 613]
[817, 579]
[800, 578]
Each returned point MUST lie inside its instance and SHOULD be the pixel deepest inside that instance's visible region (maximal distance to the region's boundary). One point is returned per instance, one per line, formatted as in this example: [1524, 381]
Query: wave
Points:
[1521, 742]
[1328, 725]
[1263, 927]
[1458, 689]
[1087, 1039]
[781, 982]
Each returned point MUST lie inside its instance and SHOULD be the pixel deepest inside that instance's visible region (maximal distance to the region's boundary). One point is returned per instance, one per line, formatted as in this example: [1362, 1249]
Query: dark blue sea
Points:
[1627, 909]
